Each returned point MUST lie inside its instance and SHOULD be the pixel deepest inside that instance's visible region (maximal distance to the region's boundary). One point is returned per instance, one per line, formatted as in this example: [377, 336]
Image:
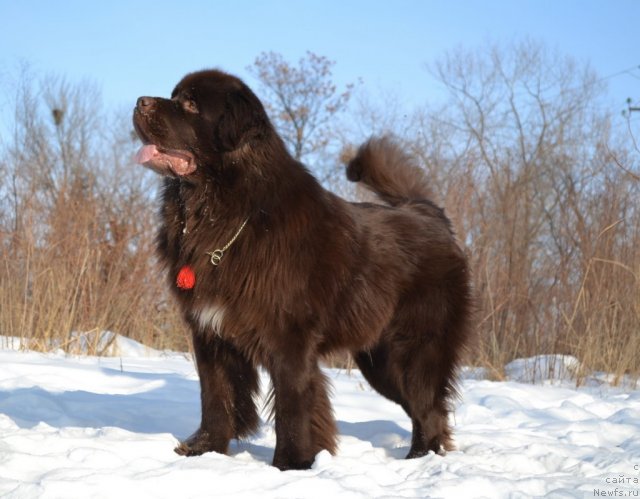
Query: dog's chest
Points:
[210, 317]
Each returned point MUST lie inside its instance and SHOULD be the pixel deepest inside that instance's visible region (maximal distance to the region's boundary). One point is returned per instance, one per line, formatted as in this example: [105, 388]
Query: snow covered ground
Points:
[106, 427]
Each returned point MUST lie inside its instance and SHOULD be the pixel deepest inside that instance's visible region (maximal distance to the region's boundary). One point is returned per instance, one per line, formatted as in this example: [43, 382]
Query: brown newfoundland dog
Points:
[271, 269]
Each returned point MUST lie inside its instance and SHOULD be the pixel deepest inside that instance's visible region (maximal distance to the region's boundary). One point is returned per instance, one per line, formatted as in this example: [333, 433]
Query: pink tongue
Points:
[146, 153]
[150, 157]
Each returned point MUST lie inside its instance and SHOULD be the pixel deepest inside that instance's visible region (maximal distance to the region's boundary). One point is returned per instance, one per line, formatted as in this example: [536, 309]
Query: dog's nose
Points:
[145, 103]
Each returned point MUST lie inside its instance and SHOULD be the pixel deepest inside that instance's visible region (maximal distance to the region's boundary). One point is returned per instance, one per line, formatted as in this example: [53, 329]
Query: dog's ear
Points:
[242, 117]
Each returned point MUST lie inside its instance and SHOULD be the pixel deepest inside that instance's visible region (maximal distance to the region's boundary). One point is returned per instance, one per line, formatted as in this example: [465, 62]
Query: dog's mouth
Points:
[178, 161]
[160, 159]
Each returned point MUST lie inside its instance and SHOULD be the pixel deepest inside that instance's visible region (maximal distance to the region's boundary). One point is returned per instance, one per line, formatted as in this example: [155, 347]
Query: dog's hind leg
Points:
[378, 369]
[429, 385]
[412, 375]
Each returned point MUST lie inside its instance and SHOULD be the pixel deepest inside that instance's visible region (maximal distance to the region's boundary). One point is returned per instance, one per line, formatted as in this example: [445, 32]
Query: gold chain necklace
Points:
[217, 254]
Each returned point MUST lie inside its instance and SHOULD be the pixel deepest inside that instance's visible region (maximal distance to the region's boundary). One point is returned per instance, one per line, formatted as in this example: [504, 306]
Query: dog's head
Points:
[210, 113]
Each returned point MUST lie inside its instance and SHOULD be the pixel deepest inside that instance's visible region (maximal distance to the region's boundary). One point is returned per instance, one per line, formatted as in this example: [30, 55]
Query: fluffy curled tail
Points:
[382, 166]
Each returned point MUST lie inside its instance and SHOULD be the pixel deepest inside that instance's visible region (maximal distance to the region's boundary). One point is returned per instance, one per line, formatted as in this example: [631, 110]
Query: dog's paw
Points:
[284, 465]
[199, 443]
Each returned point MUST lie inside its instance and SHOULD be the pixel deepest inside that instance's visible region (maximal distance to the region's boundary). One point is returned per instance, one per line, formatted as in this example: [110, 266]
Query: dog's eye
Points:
[190, 105]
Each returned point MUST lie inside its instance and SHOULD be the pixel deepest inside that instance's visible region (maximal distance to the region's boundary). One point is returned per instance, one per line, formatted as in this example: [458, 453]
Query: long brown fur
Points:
[310, 274]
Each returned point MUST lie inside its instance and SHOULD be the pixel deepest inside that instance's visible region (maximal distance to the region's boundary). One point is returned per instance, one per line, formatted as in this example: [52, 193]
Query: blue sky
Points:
[131, 48]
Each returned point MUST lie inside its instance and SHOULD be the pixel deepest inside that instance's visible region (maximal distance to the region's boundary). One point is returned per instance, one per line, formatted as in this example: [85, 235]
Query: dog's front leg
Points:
[228, 383]
[303, 416]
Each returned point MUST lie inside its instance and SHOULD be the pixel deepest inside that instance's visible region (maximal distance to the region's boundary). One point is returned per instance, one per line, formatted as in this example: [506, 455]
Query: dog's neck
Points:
[240, 188]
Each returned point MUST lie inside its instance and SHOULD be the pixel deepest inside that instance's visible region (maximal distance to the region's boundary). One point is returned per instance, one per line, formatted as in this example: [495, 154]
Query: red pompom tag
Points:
[186, 278]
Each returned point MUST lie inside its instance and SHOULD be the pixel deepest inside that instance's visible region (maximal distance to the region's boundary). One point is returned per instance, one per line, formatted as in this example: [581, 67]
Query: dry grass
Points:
[77, 281]
[77, 228]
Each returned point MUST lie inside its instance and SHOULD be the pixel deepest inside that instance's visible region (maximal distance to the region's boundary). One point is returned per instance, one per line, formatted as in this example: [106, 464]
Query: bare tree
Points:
[521, 154]
[301, 99]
